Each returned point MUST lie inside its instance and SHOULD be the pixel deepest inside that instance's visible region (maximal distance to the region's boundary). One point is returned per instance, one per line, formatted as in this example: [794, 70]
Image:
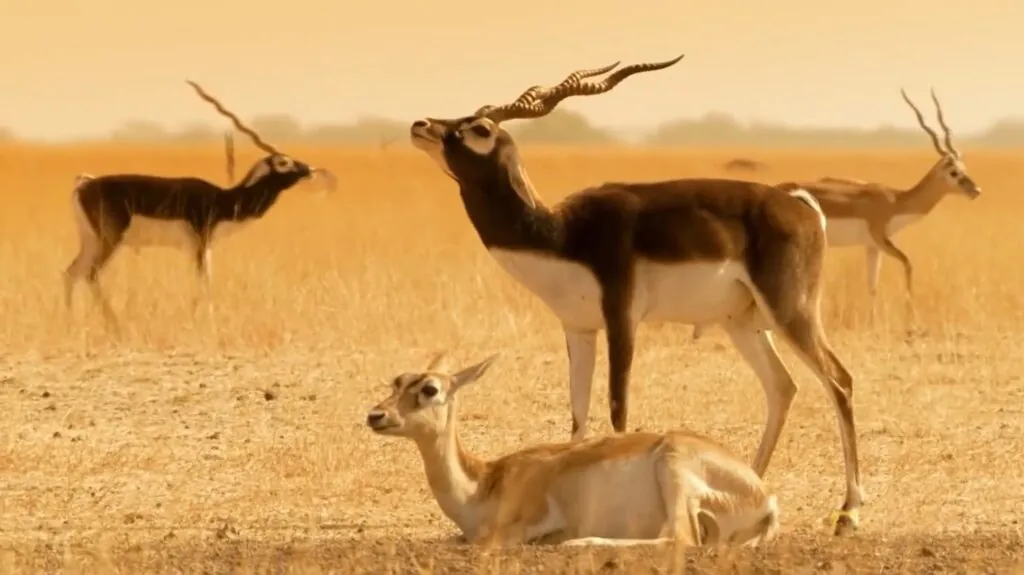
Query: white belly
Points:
[225, 229]
[693, 292]
[144, 232]
[618, 499]
[854, 232]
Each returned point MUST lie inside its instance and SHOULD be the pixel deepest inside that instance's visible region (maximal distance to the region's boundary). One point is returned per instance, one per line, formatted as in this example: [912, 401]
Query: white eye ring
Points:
[284, 164]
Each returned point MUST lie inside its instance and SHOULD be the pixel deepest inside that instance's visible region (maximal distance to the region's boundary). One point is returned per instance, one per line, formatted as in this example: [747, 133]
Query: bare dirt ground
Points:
[234, 441]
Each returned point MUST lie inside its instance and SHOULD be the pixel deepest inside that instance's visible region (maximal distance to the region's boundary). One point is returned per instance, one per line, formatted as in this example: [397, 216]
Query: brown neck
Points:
[925, 194]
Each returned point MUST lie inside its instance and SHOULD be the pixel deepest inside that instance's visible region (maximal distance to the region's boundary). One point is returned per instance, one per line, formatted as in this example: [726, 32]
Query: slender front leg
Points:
[874, 262]
[582, 348]
[204, 271]
[621, 332]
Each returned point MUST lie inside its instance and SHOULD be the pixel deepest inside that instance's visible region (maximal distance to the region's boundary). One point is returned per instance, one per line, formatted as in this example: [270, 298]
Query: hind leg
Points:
[804, 331]
[755, 345]
[105, 252]
[74, 272]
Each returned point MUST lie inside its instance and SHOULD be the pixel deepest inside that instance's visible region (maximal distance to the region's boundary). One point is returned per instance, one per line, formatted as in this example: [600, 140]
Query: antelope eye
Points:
[481, 130]
[429, 391]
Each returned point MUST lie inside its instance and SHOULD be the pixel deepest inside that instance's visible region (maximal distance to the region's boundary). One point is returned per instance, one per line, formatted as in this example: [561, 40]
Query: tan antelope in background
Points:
[624, 489]
[698, 251]
[870, 214]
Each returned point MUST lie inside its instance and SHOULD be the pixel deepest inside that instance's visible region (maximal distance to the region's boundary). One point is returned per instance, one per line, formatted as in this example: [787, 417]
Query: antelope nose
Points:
[375, 418]
[420, 124]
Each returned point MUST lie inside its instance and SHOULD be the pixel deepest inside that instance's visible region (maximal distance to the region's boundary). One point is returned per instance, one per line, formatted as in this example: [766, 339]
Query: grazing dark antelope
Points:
[187, 213]
[682, 487]
[870, 214]
[741, 254]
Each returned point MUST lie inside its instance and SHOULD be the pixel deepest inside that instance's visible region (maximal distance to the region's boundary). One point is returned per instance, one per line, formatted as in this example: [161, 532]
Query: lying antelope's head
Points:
[949, 171]
[476, 149]
[421, 403]
[277, 169]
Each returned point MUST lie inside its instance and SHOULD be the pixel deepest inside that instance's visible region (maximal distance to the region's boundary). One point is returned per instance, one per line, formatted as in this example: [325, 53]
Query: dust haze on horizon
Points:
[81, 69]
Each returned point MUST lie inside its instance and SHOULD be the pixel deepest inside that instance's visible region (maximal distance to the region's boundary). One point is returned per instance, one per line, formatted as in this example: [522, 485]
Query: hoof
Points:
[844, 522]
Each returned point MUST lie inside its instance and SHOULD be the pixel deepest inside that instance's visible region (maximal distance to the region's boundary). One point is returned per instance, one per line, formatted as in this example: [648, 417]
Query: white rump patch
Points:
[806, 197]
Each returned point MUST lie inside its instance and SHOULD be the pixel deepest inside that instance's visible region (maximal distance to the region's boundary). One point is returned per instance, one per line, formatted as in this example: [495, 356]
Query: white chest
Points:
[569, 289]
[854, 232]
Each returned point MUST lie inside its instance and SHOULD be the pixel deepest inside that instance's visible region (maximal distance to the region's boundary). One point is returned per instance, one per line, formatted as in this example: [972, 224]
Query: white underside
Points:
[691, 293]
[151, 232]
[854, 232]
[614, 499]
[624, 501]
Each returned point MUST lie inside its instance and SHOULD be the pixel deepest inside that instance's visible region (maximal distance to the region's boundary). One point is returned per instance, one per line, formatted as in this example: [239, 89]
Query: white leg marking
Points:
[582, 350]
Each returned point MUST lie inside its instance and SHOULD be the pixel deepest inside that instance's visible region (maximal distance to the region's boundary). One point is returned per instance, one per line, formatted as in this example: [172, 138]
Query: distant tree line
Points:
[571, 128]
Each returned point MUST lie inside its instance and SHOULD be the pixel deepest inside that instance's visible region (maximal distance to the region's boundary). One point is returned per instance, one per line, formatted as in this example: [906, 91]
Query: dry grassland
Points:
[236, 442]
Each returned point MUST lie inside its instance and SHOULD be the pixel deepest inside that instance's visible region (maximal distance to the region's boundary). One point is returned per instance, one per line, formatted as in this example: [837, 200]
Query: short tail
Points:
[83, 178]
[809, 199]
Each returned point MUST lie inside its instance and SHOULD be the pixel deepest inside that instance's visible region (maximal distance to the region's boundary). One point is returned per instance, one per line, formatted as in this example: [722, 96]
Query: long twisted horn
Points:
[945, 128]
[256, 139]
[229, 156]
[530, 94]
[920, 120]
[542, 101]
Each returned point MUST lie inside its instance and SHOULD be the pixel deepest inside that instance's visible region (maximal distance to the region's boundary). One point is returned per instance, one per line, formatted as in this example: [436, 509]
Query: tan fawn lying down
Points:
[622, 489]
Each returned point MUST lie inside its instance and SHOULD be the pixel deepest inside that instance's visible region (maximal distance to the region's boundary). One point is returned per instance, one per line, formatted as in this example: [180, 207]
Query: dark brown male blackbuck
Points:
[741, 254]
[186, 213]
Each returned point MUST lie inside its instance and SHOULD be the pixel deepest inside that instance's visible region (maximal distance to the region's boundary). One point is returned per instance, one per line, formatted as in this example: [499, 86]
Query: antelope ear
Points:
[470, 374]
[518, 178]
[707, 528]
[439, 363]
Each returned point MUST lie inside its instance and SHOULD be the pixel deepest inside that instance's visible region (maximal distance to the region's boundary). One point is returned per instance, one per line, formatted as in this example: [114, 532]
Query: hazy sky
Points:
[79, 67]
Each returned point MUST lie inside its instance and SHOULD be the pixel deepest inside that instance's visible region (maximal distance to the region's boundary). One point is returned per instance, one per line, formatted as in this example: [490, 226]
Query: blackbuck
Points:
[741, 254]
[186, 213]
[623, 489]
[870, 214]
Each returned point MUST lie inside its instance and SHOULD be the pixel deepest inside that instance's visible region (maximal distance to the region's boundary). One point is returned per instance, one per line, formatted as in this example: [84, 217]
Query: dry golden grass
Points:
[160, 452]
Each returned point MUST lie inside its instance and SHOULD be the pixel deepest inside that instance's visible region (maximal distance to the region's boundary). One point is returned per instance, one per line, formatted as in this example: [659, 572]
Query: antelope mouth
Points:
[422, 135]
[383, 427]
